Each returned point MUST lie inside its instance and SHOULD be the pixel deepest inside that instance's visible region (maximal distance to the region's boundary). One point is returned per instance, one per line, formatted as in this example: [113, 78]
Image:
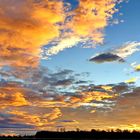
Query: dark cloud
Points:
[106, 57]
[65, 82]
[81, 82]
[67, 121]
[6, 121]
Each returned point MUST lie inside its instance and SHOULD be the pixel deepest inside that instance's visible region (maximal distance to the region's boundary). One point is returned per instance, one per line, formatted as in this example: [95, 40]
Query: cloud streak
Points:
[127, 49]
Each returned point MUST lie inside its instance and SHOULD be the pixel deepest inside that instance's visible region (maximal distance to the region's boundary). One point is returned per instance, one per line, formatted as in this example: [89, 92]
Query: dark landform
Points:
[81, 135]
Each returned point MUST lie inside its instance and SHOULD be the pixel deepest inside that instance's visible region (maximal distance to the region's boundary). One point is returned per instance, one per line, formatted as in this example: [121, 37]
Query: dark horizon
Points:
[81, 134]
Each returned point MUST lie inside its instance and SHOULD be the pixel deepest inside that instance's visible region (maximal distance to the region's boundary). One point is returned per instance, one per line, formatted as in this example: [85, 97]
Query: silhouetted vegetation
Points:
[79, 134]
[93, 134]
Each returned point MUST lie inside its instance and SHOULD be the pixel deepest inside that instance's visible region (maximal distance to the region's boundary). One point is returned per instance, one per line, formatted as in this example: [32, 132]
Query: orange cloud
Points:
[87, 23]
[41, 111]
[15, 101]
[25, 26]
[37, 120]
[56, 113]
[11, 97]
[91, 17]
[96, 95]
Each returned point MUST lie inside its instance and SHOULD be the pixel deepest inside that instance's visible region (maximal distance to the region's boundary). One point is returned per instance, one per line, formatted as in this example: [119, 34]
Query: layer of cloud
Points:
[34, 109]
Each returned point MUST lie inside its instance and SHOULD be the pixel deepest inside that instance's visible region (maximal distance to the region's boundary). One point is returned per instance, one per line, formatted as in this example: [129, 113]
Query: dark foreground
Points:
[81, 135]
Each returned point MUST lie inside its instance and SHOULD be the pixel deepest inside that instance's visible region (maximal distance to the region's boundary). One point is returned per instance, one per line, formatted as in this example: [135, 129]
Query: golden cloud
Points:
[131, 80]
[96, 95]
[26, 26]
[88, 22]
[137, 68]
[91, 17]
[32, 109]
[11, 97]
[37, 120]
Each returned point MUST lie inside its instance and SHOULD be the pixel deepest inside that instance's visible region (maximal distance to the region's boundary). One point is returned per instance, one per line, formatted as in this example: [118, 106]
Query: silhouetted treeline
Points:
[79, 134]
[93, 134]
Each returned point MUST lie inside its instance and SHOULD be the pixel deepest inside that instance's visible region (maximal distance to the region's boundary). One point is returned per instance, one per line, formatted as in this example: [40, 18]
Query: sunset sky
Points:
[69, 64]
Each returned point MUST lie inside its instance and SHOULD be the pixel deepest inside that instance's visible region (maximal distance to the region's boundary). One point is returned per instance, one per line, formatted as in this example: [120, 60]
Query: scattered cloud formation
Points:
[38, 106]
[86, 22]
[122, 118]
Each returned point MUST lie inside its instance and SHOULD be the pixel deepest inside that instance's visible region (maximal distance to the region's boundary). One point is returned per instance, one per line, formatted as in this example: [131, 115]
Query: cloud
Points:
[68, 122]
[92, 98]
[127, 49]
[137, 68]
[34, 119]
[119, 54]
[56, 113]
[12, 97]
[121, 88]
[131, 80]
[122, 111]
[16, 103]
[37, 110]
[101, 117]
[25, 26]
[92, 111]
[86, 22]
[106, 57]
[90, 18]
[65, 82]
[63, 44]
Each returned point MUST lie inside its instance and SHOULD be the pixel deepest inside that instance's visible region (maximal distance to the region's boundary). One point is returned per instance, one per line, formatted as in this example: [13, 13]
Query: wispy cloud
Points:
[127, 49]
[63, 44]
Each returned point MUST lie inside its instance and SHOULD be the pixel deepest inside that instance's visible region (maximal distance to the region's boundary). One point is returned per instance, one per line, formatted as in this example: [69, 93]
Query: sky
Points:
[69, 64]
